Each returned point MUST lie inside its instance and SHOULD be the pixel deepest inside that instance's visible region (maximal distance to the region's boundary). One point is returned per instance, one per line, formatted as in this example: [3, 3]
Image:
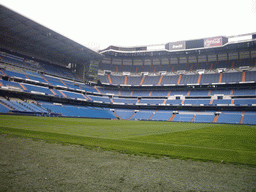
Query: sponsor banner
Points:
[213, 42]
[155, 47]
[176, 45]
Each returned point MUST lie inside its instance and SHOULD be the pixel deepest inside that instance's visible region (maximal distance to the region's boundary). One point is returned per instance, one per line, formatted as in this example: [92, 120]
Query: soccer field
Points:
[198, 141]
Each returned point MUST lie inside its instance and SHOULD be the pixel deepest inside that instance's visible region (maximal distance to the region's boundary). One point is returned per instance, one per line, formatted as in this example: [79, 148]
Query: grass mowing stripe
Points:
[131, 136]
[174, 144]
[96, 127]
[133, 147]
[239, 137]
[203, 126]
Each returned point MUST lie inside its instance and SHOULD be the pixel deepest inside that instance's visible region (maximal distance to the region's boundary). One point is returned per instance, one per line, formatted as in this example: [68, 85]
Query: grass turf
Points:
[208, 142]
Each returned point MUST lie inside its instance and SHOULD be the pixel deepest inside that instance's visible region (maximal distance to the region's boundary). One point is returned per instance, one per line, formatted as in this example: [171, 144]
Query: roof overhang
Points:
[22, 35]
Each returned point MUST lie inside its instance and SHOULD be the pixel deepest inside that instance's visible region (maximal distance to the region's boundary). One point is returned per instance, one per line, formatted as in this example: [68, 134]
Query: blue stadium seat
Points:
[204, 118]
[249, 118]
[151, 80]
[170, 80]
[210, 78]
[73, 95]
[173, 102]
[152, 101]
[244, 101]
[125, 100]
[247, 92]
[197, 101]
[232, 77]
[221, 101]
[141, 93]
[250, 76]
[143, 115]
[3, 109]
[103, 79]
[183, 117]
[199, 93]
[162, 115]
[189, 79]
[230, 117]
[118, 80]
[134, 80]
[124, 114]
[159, 93]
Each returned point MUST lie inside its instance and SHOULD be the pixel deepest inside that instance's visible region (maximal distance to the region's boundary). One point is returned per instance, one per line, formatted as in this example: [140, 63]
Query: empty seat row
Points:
[228, 77]
[46, 67]
[192, 93]
[176, 67]
[197, 93]
[237, 117]
[79, 111]
[8, 105]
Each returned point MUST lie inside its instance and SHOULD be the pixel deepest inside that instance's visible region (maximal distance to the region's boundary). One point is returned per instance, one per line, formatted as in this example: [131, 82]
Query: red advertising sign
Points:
[213, 42]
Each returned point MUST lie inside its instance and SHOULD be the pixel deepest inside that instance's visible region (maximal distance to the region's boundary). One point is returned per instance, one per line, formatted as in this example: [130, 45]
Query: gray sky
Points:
[100, 23]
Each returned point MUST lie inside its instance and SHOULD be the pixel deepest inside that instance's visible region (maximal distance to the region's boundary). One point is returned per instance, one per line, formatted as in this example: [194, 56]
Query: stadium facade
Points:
[208, 80]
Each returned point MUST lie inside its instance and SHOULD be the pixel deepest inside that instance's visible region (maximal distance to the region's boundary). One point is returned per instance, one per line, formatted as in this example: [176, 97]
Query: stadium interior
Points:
[43, 73]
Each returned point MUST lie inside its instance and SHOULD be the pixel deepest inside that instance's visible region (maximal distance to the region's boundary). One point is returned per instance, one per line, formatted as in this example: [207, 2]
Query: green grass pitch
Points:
[198, 141]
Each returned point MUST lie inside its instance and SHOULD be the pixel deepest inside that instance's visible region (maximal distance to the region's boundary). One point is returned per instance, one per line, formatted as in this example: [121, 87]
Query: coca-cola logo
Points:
[213, 42]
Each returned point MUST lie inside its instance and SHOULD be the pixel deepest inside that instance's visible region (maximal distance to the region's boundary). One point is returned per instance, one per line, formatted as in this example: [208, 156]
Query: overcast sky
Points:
[100, 23]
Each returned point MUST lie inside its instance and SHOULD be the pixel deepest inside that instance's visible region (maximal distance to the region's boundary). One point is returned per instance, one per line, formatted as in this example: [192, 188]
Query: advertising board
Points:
[213, 42]
[176, 45]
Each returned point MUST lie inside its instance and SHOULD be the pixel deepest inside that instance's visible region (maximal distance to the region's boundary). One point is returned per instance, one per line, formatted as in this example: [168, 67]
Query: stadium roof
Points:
[237, 42]
[22, 35]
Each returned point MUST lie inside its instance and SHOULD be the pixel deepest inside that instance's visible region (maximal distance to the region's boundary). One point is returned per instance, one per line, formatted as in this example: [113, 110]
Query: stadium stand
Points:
[199, 93]
[141, 93]
[197, 101]
[79, 111]
[142, 115]
[174, 102]
[205, 84]
[183, 117]
[172, 79]
[125, 100]
[229, 117]
[124, 113]
[117, 80]
[17, 105]
[249, 118]
[244, 92]
[189, 79]
[104, 79]
[159, 93]
[162, 115]
[204, 118]
[3, 109]
[37, 89]
[210, 78]
[152, 101]
[133, 80]
[126, 93]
